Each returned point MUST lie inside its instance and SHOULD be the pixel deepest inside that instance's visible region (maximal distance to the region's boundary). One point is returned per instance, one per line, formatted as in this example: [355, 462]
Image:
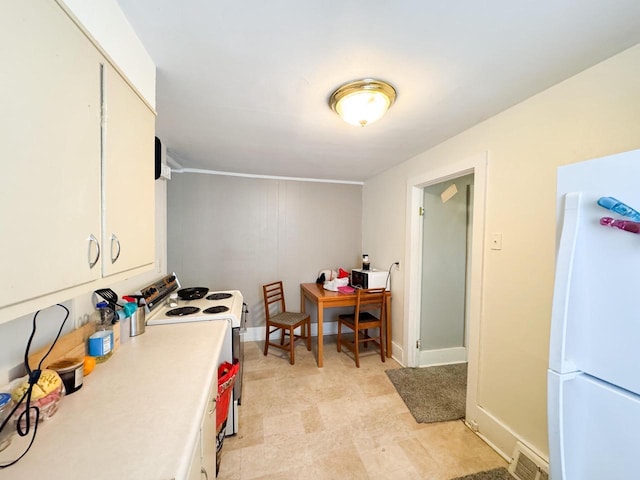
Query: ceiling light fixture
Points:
[362, 102]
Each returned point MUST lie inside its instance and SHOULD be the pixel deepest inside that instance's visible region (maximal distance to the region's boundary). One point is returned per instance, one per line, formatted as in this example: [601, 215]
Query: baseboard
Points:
[443, 356]
[498, 435]
[397, 353]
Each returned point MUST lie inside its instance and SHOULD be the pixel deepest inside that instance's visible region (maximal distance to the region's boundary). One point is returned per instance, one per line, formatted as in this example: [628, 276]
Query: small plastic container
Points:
[125, 329]
[48, 405]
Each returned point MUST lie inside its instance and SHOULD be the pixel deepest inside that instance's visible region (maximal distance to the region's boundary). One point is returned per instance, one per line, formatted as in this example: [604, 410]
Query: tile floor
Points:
[339, 422]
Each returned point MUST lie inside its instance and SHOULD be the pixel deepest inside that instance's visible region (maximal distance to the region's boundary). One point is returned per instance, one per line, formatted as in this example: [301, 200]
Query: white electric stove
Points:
[168, 303]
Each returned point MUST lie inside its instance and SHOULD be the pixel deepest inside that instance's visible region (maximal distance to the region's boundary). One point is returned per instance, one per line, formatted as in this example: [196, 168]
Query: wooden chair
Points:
[278, 318]
[361, 320]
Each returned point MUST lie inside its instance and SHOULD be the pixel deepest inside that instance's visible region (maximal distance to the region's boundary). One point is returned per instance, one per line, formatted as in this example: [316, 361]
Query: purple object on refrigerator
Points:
[594, 354]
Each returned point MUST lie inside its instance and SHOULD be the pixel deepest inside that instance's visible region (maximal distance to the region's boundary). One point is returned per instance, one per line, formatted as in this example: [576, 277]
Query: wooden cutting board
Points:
[69, 346]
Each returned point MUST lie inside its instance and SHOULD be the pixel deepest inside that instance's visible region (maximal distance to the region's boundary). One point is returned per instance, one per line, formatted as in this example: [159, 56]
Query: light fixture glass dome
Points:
[362, 102]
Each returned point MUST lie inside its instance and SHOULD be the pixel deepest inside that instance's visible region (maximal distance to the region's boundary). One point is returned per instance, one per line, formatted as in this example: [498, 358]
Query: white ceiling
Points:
[242, 86]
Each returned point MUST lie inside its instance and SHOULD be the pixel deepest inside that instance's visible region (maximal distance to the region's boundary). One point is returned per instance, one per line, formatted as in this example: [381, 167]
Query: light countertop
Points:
[137, 416]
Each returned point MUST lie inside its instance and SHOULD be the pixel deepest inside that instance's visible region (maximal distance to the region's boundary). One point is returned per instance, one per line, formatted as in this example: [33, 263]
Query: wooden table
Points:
[327, 299]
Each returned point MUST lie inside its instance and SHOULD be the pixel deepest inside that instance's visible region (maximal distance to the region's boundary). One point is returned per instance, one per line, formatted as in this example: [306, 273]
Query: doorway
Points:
[448, 170]
[446, 238]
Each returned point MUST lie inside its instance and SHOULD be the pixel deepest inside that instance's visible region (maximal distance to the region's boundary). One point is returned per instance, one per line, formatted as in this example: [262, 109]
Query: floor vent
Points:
[526, 465]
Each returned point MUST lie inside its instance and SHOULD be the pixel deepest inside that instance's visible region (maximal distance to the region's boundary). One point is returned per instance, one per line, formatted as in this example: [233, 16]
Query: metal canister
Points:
[138, 321]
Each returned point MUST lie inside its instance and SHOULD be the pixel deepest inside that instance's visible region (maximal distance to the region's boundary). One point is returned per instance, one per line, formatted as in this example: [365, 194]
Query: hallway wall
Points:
[590, 115]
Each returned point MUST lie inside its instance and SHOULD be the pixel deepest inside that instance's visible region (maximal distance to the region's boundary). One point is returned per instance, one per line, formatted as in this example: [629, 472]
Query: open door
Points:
[447, 213]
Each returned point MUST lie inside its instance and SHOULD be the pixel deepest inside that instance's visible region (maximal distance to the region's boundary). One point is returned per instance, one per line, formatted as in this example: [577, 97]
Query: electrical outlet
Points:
[496, 241]
[83, 320]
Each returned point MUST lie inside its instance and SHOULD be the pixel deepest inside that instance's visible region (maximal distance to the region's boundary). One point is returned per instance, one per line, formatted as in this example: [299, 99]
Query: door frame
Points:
[476, 164]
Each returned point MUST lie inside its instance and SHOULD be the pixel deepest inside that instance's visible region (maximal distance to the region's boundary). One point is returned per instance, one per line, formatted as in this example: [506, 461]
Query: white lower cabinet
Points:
[203, 459]
[208, 435]
[77, 193]
[195, 470]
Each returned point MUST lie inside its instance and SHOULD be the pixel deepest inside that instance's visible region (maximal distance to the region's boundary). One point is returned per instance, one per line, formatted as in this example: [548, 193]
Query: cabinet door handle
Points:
[203, 471]
[93, 239]
[115, 239]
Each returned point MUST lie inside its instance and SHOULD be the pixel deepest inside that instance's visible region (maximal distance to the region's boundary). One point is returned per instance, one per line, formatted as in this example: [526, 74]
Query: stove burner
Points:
[217, 309]
[219, 296]
[182, 311]
[192, 293]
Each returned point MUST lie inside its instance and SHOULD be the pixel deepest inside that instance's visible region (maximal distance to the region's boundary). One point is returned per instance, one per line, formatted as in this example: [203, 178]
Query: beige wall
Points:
[111, 29]
[228, 232]
[592, 114]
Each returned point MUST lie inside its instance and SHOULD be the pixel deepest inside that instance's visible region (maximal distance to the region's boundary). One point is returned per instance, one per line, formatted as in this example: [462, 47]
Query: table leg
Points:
[320, 334]
[319, 316]
[388, 321]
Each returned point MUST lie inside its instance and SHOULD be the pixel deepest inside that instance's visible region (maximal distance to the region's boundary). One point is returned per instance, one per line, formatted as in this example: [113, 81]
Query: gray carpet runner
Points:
[433, 394]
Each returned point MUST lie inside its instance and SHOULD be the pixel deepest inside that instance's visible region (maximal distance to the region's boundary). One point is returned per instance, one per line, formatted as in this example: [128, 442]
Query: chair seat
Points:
[364, 317]
[288, 318]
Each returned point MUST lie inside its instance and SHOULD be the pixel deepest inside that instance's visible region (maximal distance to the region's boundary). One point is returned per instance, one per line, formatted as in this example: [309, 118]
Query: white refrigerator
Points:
[594, 356]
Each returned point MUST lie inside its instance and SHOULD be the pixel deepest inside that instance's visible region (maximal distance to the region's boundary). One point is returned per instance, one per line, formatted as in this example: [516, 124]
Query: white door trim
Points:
[477, 165]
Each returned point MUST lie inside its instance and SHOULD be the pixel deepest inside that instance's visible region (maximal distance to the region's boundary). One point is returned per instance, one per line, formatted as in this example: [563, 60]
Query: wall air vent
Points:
[526, 465]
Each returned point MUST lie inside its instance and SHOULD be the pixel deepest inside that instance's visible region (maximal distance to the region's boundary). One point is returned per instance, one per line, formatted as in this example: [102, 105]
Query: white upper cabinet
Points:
[127, 178]
[77, 196]
[50, 149]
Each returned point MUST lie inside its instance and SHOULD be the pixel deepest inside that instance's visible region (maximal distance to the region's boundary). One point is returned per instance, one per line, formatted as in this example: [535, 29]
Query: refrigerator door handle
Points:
[555, 423]
[562, 290]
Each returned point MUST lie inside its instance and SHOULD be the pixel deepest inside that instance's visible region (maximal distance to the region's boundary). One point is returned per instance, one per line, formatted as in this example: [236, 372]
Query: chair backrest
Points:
[273, 293]
[368, 299]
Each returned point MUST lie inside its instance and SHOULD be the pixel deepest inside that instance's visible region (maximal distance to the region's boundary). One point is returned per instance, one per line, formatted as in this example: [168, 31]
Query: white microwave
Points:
[370, 279]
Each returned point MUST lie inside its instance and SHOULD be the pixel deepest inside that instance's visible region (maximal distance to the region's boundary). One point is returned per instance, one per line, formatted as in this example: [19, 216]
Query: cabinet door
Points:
[128, 177]
[50, 150]
[208, 434]
[195, 470]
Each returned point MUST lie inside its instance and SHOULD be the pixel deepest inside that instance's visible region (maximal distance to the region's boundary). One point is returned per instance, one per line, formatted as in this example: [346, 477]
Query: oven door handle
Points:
[243, 319]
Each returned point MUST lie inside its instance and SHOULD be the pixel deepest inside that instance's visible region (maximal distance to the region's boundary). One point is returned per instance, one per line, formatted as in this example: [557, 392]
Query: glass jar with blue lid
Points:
[6, 405]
